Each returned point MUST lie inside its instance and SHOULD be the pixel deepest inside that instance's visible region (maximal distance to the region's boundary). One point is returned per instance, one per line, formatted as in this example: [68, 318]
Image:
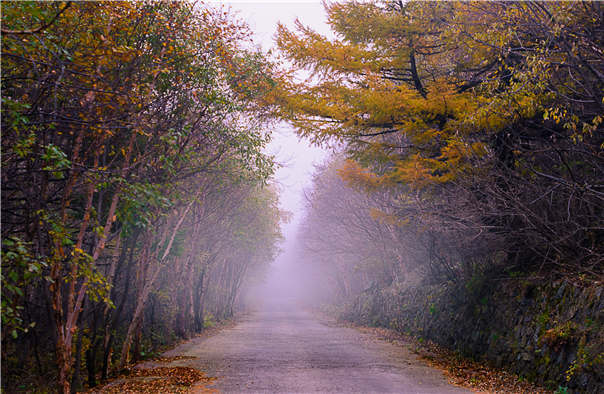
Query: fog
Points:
[333, 248]
[288, 279]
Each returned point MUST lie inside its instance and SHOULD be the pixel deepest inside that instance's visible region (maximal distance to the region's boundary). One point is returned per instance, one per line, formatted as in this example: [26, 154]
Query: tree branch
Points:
[40, 28]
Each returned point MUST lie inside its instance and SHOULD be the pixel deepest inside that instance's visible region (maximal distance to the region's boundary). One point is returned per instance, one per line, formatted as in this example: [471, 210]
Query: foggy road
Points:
[282, 349]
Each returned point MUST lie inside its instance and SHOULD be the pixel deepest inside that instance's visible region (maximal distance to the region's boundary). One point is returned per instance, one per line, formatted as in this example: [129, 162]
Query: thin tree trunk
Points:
[198, 300]
[76, 381]
[148, 284]
[138, 312]
[111, 319]
[92, 351]
[64, 322]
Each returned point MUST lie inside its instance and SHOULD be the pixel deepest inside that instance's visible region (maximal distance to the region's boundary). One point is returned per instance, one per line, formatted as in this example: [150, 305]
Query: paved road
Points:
[285, 350]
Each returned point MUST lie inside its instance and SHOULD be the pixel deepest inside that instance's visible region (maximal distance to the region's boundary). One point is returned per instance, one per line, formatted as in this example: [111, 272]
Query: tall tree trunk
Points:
[63, 322]
[111, 319]
[136, 317]
[147, 284]
[92, 350]
[137, 341]
[199, 299]
[66, 324]
[91, 362]
[76, 381]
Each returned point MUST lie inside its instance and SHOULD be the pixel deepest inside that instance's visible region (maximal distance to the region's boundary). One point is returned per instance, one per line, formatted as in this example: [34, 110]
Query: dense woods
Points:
[470, 137]
[468, 172]
[136, 197]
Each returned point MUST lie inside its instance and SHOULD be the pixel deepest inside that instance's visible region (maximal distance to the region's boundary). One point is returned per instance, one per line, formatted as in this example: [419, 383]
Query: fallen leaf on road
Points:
[158, 380]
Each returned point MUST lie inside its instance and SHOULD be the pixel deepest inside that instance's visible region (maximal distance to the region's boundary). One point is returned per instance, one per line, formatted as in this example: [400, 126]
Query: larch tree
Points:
[471, 111]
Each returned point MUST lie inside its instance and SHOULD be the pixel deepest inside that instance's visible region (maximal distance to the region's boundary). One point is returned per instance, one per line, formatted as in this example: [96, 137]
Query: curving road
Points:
[280, 349]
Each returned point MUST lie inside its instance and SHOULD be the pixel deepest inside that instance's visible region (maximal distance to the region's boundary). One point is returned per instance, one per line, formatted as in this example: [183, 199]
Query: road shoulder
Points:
[164, 374]
[459, 371]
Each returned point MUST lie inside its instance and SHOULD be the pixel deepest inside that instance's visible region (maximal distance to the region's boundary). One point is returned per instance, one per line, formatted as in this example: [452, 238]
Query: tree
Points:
[114, 117]
[452, 104]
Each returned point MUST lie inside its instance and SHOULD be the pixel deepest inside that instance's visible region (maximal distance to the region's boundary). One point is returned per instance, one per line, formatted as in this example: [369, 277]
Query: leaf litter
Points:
[459, 370]
[158, 380]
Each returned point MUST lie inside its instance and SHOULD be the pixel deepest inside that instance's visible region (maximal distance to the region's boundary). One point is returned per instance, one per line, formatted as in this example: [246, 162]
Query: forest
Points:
[467, 171]
[139, 201]
[469, 138]
[136, 196]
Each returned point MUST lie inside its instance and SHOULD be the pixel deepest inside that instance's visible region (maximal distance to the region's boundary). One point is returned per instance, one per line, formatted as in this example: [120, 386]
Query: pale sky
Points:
[298, 156]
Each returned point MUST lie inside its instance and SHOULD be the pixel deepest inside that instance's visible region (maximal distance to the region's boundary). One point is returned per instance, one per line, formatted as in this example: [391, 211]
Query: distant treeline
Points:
[135, 192]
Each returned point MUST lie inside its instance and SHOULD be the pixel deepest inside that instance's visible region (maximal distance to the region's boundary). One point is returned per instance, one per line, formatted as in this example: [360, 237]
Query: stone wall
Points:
[551, 334]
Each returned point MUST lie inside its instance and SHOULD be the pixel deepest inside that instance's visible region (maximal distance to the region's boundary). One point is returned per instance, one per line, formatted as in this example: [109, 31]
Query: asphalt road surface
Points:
[281, 349]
